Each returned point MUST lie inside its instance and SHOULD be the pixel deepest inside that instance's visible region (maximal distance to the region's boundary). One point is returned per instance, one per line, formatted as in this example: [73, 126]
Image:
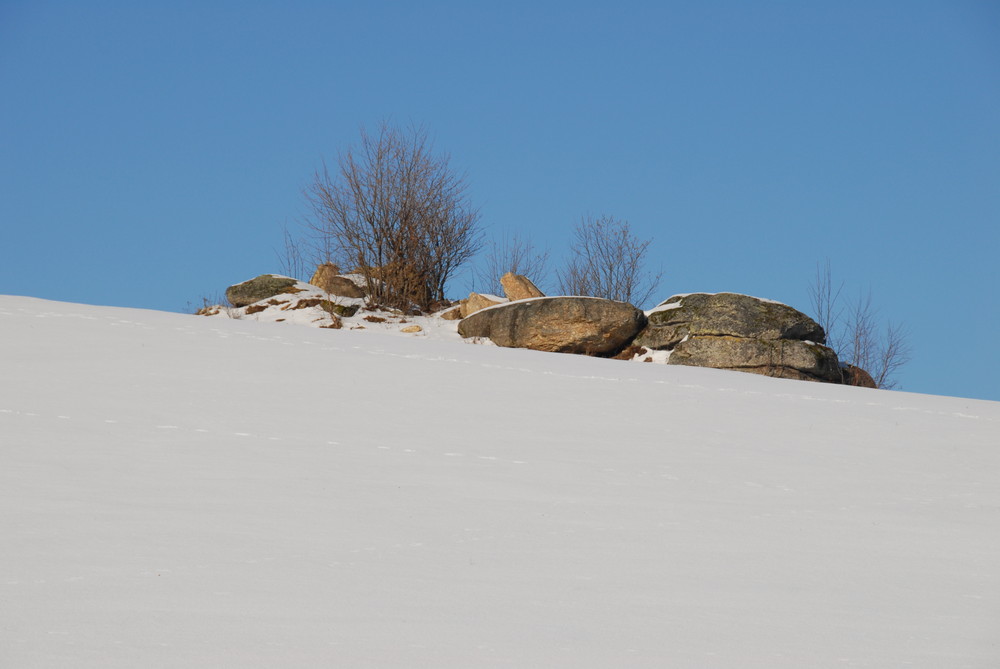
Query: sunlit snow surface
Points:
[179, 491]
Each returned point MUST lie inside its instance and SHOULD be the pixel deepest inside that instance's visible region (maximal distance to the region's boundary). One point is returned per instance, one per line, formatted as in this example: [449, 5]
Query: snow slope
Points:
[189, 492]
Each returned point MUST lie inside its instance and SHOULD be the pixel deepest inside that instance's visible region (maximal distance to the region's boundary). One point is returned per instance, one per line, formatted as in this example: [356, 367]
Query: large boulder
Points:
[260, 288]
[725, 314]
[519, 287]
[739, 332]
[328, 278]
[584, 325]
[785, 358]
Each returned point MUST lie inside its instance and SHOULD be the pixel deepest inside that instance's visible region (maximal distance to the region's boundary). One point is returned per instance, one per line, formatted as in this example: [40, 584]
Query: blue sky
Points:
[150, 153]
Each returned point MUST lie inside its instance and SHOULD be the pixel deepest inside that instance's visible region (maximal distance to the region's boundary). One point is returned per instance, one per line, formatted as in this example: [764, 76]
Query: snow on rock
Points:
[206, 492]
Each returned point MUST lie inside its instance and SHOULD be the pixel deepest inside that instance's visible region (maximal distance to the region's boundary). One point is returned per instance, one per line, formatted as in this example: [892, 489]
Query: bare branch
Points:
[398, 213]
[853, 332]
[511, 253]
[607, 261]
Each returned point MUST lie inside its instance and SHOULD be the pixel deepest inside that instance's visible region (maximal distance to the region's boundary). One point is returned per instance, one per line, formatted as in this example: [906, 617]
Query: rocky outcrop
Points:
[784, 358]
[260, 288]
[328, 278]
[475, 302]
[519, 287]
[739, 332]
[725, 314]
[584, 325]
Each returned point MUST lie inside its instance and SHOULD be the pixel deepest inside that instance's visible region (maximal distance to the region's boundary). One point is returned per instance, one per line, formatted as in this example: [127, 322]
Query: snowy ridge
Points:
[204, 492]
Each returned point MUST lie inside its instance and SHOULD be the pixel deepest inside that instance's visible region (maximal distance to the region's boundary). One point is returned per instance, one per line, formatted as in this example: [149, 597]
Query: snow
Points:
[206, 492]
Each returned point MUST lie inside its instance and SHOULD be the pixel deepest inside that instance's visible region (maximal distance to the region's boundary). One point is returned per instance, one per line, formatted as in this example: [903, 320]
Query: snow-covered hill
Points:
[188, 492]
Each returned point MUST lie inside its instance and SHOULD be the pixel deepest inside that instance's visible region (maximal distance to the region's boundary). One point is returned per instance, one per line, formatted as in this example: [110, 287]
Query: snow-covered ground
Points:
[179, 491]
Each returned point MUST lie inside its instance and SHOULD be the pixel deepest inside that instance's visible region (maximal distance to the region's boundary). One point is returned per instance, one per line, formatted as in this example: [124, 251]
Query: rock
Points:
[785, 358]
[739, 332]
[475, 302]
[519, 287]
[585, 325]
[324, 271]
[453, 314]
[327, 278]
[728, 314]
[855, 376]
[411, 329]
[260, 288]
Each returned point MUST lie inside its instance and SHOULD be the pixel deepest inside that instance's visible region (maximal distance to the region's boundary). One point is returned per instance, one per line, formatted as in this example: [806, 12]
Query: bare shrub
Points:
[397, 212]
[290, 258]
[854, 331]
[511, 253]
[608, 261]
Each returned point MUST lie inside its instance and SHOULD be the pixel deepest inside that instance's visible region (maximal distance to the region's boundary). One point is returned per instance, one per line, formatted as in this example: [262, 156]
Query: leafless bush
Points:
[608, 261]
[855, 333]
[511, 253]
[398, 213]
[291, 259]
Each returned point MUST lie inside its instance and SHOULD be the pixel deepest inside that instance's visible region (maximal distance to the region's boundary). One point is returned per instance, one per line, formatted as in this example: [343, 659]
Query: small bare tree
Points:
[607, 260]
[397, 212]
[290, 258]
[853, 331]
[511, 253]
[826, 303]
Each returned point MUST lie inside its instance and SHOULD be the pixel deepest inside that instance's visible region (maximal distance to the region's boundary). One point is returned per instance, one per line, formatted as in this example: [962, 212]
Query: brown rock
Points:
[519, 287]
[410, 329]
[475, 302]
[855, 376]
[585, 325]
[327, 278]
[453, 314]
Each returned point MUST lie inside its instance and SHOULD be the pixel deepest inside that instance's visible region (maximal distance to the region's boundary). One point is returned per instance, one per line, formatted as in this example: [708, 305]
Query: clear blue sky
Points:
[150, 153]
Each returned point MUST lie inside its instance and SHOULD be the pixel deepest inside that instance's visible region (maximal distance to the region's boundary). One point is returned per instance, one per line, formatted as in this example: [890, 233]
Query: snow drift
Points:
[178, 491]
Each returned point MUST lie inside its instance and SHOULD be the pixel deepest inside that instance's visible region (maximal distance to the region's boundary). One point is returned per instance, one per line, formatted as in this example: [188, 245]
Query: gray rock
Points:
[726, 314]
[584, 325]
[260, 288]
[785, 358]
